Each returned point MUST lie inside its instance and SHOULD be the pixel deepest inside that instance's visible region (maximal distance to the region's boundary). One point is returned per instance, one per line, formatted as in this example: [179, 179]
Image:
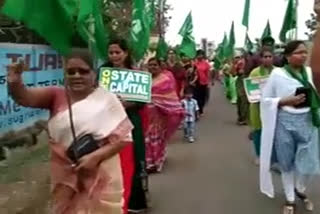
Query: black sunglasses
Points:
[81, 71]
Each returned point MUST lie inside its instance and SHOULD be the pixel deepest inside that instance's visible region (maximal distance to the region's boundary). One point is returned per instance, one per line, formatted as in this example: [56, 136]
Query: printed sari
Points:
[165, 116]
[180, 76]
[101, 190]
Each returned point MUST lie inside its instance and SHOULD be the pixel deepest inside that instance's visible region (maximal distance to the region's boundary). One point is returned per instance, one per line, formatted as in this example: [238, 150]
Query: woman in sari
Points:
[165, 116]
[238, 70]
[94, 184]
[290, 120]
[263, 70]
[178, 72]
[134, 166]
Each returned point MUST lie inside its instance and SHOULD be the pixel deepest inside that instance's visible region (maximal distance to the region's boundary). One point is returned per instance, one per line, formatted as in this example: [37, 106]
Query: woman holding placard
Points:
[263, 71]
[166, 114]
[133, 159]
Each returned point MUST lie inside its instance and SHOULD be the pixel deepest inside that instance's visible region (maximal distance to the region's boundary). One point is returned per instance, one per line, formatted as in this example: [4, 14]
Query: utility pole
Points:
[161, 18]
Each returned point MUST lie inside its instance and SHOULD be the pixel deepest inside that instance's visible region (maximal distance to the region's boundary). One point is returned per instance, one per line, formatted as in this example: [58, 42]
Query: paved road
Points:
[216, 175]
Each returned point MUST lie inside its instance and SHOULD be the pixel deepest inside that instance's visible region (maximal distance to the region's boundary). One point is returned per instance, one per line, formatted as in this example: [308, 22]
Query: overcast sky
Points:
[211, 18]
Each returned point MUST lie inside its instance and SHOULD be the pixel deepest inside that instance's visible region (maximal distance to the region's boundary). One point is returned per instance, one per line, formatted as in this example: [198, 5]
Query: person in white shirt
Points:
[290, 124]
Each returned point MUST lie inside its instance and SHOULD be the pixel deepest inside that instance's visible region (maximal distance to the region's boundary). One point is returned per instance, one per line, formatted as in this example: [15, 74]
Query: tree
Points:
[162, 20]
[116, 16]
[312, 26]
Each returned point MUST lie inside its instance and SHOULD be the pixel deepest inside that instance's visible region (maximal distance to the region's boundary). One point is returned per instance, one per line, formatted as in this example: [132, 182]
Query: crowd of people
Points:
[128, 140]
[116, 144]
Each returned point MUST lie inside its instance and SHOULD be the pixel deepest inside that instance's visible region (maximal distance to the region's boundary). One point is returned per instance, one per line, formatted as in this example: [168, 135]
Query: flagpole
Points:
[297, 19]
[161, 5]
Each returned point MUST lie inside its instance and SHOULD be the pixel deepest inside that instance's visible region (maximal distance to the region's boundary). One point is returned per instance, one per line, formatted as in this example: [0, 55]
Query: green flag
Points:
[248, 43]
[140, 30]
[290, 20]
[220, 52]
[91, 28]
[232, 41]
[188, 45]
[218, 59]
[246, 13]
[51, 19]
[151, 12]
[224, 47]
[162, 49]
[267, 31]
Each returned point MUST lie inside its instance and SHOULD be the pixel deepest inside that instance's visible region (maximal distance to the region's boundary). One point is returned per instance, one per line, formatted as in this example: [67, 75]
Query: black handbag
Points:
[80, 146]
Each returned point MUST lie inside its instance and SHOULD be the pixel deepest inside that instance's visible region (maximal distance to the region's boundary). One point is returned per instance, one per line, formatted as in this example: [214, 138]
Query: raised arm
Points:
[315, 57]
[28, 97]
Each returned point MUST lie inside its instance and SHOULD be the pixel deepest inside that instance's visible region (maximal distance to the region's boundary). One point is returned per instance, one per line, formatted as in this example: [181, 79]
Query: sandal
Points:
[289, 208]
[308, 205]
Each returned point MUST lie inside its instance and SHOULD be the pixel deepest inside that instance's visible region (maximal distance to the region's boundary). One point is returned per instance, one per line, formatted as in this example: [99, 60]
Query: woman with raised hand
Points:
[86, 174]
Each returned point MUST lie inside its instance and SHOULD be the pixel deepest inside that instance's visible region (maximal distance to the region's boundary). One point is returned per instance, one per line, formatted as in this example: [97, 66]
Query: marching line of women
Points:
[101, 159]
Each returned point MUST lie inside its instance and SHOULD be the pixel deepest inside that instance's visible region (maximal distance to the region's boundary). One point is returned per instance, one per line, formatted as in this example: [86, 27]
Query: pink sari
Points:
[99, 191]
[165, 116]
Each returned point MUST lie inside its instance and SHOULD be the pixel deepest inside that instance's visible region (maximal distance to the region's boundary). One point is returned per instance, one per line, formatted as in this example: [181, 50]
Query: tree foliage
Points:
[116, 16]
[312, 26]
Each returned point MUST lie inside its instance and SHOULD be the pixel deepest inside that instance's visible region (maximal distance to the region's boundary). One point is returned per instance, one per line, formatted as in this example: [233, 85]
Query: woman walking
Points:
[165, 116]
[92, 183]
[290, 121]
[133, 159]
[264, 71]
[238, 71]
[178, 72]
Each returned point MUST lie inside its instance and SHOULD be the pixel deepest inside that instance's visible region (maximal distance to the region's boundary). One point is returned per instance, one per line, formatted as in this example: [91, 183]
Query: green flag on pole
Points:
[248, 43]
[232, 41]
[151, 12]
[91, 28]
[140, 30]
[246, 13]
[218, 59]
[188, 45]
[220, 52]
[51, 19]
[162, 49]
[290, 20]
[267, 31]
[224, 45]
